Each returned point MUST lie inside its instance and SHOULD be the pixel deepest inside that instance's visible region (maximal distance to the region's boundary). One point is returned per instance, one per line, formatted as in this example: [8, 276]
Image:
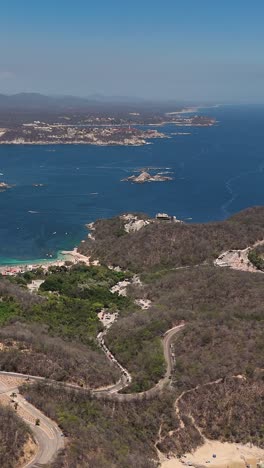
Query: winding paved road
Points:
[48, 435]
[167, 341]
[125, 379]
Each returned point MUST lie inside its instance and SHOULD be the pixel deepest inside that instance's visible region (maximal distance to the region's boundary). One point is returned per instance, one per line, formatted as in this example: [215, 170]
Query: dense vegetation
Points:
[209, 350]
[135, 341]
[85, 282]
[10, 291]
[71, 310]
[14, 434]
[230, 411]
[68, 312]
[164, 244]
[105, 434]
[223, 338]
[256, 256]
[29, 349]
[208, 299]
[218, 368]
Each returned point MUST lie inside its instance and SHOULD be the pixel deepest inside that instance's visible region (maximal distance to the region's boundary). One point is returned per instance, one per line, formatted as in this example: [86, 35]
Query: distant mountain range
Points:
[36, 102]
[39, 101]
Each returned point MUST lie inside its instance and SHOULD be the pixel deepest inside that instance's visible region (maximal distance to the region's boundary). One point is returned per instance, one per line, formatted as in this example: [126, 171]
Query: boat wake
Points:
[231, 191]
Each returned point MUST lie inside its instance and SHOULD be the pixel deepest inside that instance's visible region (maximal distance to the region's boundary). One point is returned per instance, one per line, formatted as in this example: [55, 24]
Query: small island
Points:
[145, 176]
[4, 186]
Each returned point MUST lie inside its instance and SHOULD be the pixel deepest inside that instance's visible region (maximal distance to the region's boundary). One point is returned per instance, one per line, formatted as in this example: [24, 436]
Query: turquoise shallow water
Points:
[217, 171]
[32, 261]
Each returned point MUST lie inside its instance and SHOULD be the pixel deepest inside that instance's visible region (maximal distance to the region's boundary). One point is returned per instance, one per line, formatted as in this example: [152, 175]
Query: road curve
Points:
[125, 379]
[47, 435]
[167, 339]
[168, 336]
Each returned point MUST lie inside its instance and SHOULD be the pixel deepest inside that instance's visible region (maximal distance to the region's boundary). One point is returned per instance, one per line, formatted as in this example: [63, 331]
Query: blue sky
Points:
[205, 50]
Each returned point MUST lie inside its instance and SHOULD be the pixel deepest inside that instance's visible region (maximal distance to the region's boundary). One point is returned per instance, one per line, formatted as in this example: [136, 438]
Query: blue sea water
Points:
[217, 171]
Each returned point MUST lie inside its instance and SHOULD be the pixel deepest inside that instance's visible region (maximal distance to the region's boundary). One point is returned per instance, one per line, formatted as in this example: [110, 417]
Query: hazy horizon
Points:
[208, 52]
[134, 99]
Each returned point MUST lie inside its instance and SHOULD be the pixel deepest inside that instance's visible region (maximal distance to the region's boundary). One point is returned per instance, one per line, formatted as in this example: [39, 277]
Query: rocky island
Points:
[145, 176]
[4, 186]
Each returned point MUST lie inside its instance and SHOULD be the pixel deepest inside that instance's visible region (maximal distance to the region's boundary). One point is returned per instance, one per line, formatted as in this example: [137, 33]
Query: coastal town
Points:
[100, 129]
[42, 133]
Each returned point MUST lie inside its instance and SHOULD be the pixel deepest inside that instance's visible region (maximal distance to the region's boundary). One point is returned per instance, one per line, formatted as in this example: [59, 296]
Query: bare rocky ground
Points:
[238, 259]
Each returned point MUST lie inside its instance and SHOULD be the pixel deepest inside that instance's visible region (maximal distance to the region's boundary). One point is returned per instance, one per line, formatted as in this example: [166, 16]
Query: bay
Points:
[217, 171]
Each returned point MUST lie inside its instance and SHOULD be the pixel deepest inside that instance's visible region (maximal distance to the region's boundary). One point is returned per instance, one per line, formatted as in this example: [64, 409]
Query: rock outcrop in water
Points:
[4, 186]
[144, 177]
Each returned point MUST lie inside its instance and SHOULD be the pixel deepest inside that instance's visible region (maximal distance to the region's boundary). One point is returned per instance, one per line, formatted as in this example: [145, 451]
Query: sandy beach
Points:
[65, 256]
[186, 110]
[227, 455]
[75, 257]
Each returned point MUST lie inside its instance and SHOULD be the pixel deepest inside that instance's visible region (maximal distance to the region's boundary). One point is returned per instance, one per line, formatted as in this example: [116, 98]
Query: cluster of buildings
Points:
[42, 133]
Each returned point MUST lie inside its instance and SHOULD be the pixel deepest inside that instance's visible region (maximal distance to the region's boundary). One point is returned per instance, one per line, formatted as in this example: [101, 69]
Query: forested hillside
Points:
[53, 333]
[14, 434]
[215, 387]
[163, 244]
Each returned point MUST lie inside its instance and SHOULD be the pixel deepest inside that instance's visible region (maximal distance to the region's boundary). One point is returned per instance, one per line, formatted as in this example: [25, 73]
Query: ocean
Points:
[217, 171]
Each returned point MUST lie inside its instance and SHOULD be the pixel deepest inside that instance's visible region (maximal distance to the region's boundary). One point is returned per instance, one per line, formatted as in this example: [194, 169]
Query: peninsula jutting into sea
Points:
[41, 133]
[101, 128]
